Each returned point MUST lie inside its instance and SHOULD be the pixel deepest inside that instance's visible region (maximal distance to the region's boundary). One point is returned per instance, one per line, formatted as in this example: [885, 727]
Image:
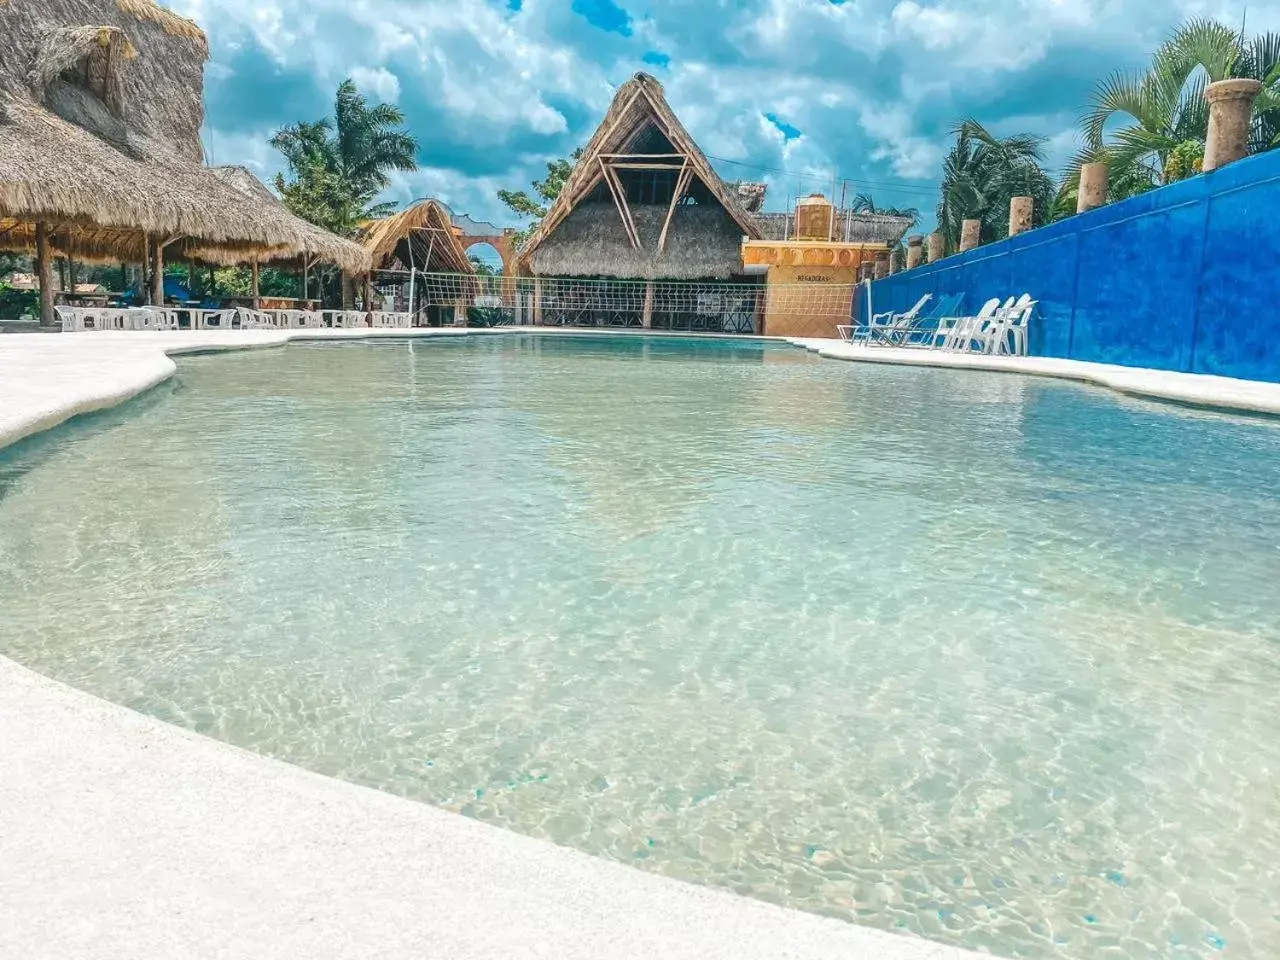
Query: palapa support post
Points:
[348, 291]
[915, 251]
[368, 292]
[537, 301]
[1230, 120]
[647, 320]
[157, 272]
[44, 270]
[255, 278]
[1021, 212]
[937, 246]
[1093, 187]
[970, 234]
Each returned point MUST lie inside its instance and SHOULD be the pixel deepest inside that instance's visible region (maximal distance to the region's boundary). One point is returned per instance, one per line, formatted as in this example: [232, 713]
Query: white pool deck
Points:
[122, 837]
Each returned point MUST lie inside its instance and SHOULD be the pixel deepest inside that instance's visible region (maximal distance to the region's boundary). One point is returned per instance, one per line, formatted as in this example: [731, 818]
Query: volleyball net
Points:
[714, 306]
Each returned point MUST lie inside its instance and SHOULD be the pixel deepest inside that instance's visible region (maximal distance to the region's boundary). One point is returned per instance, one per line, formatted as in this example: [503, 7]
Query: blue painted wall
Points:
[1183, 278]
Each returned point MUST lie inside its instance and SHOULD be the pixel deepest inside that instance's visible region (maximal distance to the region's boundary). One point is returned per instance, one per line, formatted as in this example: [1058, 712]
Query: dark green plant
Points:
[1136, 121]
[982, 173]
[15, 303]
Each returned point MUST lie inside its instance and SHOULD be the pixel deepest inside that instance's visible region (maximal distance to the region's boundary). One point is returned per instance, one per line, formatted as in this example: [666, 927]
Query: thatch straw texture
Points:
[428, 226]
[704, 243]
[100, 114]
[638, 109]
[854, 227]
[751, 195]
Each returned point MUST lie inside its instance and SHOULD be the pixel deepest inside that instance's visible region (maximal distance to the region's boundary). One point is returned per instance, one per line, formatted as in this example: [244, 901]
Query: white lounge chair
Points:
[883, 324]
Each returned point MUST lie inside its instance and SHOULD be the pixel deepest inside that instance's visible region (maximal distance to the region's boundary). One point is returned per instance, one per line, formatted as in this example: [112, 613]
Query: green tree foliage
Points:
[338, 165]
[535, 206]
[1140, 124]
[982, 173]
[483, 267]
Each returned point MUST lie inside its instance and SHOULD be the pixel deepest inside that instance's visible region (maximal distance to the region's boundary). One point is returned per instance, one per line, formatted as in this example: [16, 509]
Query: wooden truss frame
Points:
[611, 163]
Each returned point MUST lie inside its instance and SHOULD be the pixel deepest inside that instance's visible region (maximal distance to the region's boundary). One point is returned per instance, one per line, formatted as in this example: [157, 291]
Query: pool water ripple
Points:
[989, 659]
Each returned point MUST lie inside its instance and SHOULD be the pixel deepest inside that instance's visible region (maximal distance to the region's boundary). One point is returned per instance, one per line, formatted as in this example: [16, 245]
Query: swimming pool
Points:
[986, 658]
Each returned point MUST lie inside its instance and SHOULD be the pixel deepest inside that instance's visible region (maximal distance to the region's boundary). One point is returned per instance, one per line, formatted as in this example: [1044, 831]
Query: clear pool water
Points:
[990, 659]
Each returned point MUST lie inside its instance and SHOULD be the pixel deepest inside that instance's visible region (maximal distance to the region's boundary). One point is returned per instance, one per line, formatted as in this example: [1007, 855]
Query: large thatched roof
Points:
[583, 235]
[100, 114]
[421, 236]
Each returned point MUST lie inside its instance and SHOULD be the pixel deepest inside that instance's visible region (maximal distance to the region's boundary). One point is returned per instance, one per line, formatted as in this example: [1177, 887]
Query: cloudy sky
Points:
[793, 90]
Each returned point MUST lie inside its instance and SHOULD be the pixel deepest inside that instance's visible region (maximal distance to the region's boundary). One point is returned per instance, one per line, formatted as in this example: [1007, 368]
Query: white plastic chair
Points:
[386, 318]
[1009, 336]
[982, 333]
[952, 331]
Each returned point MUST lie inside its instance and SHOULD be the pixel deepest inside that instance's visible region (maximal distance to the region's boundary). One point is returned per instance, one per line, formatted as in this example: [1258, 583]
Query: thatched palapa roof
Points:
[583, 233]
[100, 115]
[421, 236]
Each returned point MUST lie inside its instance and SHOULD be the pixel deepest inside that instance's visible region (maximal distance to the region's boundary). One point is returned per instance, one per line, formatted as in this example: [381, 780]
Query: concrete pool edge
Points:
[1191, 389]
[126, 836]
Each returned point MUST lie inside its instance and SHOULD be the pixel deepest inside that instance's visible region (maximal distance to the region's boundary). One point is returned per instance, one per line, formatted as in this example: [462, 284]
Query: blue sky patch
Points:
[656, 59]
[605, 14]
[788, 131]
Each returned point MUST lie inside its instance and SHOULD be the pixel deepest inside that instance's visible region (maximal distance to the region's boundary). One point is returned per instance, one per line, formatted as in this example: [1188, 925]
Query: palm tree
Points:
[982, 173]
[1163, 114]
[338, 165]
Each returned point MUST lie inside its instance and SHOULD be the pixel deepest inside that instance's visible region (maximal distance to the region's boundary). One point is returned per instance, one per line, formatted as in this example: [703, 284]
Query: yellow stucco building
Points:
[813, 266]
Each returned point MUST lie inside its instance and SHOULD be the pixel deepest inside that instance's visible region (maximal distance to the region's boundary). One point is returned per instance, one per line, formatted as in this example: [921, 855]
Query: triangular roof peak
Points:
[638, 105]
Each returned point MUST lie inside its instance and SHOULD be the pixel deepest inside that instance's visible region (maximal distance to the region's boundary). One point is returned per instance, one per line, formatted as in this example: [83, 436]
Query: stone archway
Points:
[504, 243]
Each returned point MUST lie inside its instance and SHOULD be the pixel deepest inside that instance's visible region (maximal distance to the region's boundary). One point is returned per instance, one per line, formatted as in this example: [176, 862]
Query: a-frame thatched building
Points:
[420, 264]
[643, 202]
[100, 153]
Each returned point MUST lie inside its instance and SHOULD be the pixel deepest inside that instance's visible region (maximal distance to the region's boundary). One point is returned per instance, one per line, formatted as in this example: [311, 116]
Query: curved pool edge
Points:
[1192, 389]
[126, 836]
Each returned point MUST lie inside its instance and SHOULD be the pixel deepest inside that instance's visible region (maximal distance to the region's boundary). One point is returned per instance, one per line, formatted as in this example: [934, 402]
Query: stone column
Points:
[255, 284]
[915, 251]
[646, 320]
[1230, 115]
[1093, 187]
[881, 269]
[970, 234]
[865, 270]
[1020, 213]
[44, 273]
[937, 246]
